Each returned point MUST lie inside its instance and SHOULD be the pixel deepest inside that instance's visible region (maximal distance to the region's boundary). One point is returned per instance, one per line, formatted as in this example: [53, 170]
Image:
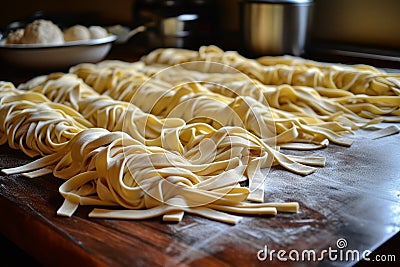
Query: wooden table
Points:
[355, 197]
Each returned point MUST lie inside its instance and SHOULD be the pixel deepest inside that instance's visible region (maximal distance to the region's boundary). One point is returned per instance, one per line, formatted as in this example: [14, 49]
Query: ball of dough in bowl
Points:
[97, 32]
[76, 33]
[42, 32]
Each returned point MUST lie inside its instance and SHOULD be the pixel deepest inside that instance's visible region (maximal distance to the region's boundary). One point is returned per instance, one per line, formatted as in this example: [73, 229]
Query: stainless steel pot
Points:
[275, 27]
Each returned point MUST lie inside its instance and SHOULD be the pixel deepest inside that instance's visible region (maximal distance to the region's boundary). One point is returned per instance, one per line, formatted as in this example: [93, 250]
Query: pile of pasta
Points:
[184, 131]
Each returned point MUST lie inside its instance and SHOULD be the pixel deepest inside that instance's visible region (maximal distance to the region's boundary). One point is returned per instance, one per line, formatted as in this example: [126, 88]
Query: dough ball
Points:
[76, 33]
[15, 37]
[42, 32]
[97, 32]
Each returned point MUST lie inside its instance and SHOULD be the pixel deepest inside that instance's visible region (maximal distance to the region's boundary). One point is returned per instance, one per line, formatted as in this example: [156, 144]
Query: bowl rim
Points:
[98, 41]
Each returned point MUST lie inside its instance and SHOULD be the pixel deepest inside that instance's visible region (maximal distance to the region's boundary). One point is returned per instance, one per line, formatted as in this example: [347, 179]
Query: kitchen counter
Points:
[353, 202]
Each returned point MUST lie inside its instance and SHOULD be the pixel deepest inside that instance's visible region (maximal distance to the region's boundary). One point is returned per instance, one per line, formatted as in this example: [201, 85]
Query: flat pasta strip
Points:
[387, 131]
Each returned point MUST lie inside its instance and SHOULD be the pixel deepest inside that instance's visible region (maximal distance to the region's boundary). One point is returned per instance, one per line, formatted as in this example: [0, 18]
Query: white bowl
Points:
[58, 56]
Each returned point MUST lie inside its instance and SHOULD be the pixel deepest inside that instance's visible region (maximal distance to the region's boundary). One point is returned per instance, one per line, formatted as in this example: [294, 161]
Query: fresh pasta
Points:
[34, 124]
[187, 140]
[194, 102]
[111, 168]
[183, 131]
[301, 101]
[358, 79]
